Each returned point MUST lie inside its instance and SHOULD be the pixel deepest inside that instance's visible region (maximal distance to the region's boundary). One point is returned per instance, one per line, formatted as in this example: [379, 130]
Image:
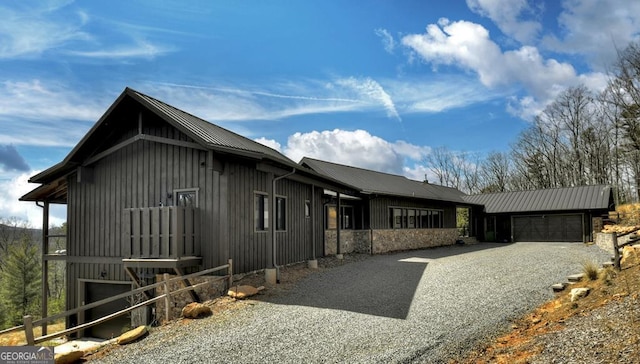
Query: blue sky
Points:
[375, 84]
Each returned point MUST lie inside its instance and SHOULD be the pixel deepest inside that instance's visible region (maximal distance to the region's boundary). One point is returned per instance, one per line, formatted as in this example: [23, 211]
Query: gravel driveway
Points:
[422, 306]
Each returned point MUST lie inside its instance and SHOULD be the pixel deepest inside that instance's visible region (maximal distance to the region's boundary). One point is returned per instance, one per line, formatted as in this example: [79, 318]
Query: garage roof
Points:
[598, 197]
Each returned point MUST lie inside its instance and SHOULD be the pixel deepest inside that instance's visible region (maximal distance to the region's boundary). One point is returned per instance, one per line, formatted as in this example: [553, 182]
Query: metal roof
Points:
[207, 133]
[372, 182]
[557, 199]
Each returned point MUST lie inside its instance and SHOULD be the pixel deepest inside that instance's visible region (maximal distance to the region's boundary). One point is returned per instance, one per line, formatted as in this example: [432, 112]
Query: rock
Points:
[132, 335]
[630, 254]
[196, 310]
[577, 293]
[68, 357]
[241, 292]
[558, 287]
[575, 277]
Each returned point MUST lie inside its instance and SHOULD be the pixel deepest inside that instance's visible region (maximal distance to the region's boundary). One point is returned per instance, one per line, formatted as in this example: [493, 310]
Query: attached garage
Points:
[544, 228]
[560, 214]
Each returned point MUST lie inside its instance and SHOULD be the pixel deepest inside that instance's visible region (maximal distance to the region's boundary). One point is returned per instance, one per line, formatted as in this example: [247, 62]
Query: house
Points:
[152, 189]
[387, 212]
[568, 214]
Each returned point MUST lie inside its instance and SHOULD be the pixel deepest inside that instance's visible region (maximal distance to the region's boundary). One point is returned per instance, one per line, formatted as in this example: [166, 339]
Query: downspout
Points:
[273, 224]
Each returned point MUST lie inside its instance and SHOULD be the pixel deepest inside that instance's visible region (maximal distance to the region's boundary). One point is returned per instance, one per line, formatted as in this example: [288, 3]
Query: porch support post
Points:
[313, 263]
[338, 224]
[45, 264]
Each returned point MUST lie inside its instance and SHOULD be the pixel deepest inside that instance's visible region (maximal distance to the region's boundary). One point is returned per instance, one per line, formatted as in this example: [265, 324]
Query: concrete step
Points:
[607, 264]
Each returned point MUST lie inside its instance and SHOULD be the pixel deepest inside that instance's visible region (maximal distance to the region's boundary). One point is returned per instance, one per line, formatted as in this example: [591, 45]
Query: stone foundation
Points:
[351, 241]
[217, 288]
[388, 240]
[385, 241]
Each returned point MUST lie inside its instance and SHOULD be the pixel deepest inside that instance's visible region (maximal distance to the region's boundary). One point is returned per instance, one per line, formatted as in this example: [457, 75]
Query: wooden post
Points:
[230, 273]
[45, 264]
[616, 251]
[167, 299]
[28, 330]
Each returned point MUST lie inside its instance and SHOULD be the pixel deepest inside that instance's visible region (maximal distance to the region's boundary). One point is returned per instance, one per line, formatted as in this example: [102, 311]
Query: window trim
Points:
[178, 191]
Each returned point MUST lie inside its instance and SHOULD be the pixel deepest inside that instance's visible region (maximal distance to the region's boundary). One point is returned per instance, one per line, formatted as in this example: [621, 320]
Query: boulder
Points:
[241, 292]
[132, 335]
[196, 310]
[630, 254]
[68, 357]
[577, 293]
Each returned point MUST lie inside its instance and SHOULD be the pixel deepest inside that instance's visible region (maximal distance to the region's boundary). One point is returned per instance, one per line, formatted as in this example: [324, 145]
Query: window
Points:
[416, 218]
[186, 197]
[307, 209]
[397, 219]
[261, 212]
[346, 217]
[281, 214]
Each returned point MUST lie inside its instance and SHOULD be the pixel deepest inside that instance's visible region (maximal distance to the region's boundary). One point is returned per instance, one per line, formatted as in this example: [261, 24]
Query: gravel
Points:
[422, 306]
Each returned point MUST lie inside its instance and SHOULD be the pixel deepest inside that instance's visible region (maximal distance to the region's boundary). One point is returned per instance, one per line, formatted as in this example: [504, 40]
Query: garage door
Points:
[114, 327]
[566, 228]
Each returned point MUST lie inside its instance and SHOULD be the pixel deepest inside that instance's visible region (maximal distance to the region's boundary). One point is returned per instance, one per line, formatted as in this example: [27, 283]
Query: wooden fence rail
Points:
[29, 323]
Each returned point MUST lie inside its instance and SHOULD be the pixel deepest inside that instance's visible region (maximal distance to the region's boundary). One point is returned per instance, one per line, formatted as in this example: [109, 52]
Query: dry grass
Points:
[591, 270]
[17, 338]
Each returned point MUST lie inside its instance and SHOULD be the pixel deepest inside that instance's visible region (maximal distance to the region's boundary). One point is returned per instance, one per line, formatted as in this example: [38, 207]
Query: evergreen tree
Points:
[20, 284]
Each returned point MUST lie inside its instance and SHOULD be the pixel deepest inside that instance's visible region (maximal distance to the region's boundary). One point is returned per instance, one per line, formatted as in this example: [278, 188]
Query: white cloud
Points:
[57, 27]
[595, 28]
[371, 90]
[509, 16]
[356, 148]
[468, 45]
[270, 143]
[33, 31]
[387, 40]
[139, 49]
[44, 109]
[14, 187]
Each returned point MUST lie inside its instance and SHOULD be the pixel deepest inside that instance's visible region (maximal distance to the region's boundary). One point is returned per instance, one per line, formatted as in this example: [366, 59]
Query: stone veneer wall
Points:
[406, 239]
[206, 292]
[352, 241]
[388, 240]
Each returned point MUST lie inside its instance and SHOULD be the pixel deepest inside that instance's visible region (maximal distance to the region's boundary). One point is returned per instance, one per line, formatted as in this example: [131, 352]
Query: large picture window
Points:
[405, 218]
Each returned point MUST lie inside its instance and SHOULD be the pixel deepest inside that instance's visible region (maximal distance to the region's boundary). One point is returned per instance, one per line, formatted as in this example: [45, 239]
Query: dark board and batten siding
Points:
[380, 218]
[249, 248]
[142, 174]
